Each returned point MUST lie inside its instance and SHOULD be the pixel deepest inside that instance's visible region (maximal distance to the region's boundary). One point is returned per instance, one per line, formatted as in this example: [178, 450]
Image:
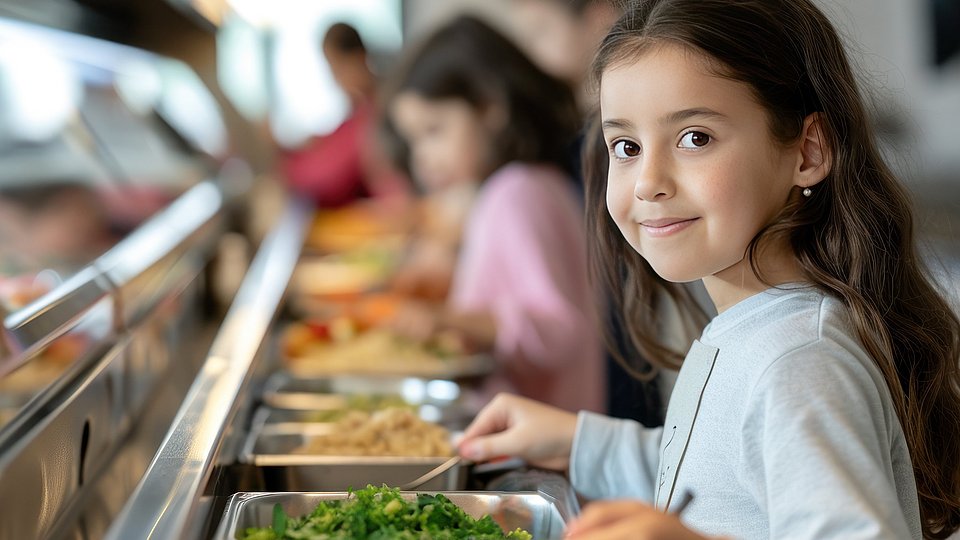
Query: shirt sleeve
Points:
[328, 169]
[816, 439]
[614, 458]
[524, 260]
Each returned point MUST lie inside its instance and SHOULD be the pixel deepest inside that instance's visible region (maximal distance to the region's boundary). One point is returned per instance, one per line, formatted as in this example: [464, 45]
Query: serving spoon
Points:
[431, 474]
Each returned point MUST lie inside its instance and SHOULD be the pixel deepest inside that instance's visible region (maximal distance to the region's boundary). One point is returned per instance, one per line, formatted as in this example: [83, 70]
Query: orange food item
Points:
[296, 339]
[355, 226]
[375, 309]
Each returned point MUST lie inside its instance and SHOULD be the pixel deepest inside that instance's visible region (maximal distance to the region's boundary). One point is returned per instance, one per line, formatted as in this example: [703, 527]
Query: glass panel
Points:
[18, 388]
[95, 137]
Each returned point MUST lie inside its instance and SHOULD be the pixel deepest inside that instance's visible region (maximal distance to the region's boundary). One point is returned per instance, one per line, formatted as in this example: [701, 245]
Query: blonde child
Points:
[822, 401]
[469, 109]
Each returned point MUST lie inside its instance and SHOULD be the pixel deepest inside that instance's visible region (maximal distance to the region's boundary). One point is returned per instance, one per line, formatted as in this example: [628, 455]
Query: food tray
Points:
[299, 399]
[285, 390]
[530, 511]
[357, 226]
[271, 449]
[454, 419]
[463, 367]
[339, 275]
[460, 367]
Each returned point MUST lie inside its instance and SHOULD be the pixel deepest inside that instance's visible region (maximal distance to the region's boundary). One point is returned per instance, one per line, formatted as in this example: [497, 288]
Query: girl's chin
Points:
[674, 273]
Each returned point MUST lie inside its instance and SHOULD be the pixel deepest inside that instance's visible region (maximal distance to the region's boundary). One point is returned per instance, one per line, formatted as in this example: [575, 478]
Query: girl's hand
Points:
[610, 520]
[427, 272]
[418, 321]
[514, 426]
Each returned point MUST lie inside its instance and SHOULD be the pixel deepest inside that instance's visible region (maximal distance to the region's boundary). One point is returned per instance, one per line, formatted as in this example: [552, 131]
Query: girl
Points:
[822, 401]
[469, 109]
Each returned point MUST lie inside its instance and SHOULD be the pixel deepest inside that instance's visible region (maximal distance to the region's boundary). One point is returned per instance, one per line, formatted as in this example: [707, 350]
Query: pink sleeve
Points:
[524, 259]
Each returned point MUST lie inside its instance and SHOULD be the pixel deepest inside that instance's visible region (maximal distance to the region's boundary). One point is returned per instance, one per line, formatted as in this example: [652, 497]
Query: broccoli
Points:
[380, 514]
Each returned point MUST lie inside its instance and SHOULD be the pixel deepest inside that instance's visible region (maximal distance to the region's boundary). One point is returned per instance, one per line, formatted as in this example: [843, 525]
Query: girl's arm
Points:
[524, 263]
[607, 457]
[478, 328]
[423, 321]
[614, 458]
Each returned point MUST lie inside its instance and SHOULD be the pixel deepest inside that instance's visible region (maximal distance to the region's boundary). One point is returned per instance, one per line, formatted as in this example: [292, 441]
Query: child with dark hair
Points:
[562, 36]
[469, 108]
[343, 166]
[823, 401]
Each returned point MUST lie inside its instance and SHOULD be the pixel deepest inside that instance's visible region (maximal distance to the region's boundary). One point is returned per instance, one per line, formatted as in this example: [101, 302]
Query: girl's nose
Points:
[654, 181]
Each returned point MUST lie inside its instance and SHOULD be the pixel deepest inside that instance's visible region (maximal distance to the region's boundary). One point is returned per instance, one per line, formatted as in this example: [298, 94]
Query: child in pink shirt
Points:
[468, 108]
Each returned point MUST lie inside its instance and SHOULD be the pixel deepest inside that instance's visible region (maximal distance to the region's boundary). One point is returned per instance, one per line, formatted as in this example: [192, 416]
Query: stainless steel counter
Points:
[166, 501]
[132, 308]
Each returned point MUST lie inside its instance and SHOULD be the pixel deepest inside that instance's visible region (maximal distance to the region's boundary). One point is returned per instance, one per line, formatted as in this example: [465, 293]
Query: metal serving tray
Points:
[530, 511]
[272, 451]
[285, 390]
[298, 399]
[295, 419]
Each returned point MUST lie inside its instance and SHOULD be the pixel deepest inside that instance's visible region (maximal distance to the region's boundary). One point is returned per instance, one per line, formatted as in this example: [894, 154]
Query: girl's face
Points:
[449, 139]
[694, 171]
[555, 38]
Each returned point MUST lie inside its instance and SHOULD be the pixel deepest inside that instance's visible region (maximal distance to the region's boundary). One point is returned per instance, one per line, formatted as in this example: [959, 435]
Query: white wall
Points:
[896, 53]
[423, 15]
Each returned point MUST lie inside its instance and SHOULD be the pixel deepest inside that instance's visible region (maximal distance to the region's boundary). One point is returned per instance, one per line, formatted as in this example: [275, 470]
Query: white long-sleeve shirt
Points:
[780, 424]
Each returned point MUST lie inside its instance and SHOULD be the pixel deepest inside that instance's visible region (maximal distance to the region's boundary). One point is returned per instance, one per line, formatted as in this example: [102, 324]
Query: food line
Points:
[274, 415]
[352, 403]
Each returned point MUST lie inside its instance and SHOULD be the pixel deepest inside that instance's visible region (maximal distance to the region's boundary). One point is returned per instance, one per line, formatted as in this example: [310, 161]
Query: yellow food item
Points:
[374, 351]
[387, 432]
[356, 226]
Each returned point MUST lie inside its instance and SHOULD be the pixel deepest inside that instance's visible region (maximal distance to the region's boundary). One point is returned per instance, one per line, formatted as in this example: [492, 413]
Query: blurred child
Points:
[562, 36]
[824, 399]
[471, 110]
[347, 164]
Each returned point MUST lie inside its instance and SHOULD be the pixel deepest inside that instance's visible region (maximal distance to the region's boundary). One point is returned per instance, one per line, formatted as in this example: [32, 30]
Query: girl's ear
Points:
[816, 159]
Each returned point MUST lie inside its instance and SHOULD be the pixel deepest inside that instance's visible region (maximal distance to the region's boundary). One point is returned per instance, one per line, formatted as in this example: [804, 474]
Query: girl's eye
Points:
[625, 149]
[694, 139]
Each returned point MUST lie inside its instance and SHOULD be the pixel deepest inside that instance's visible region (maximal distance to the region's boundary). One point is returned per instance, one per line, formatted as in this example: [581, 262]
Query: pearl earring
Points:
[807, 192]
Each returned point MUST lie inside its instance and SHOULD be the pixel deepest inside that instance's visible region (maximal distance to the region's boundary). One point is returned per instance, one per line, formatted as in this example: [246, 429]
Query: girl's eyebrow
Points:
[671, 118]
[616, 123]
[686, 114]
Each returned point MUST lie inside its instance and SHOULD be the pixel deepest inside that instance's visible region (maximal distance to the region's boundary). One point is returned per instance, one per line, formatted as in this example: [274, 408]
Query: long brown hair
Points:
[853, 238]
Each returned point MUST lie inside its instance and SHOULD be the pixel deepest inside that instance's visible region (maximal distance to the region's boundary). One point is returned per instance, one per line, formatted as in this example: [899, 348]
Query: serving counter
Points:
[136, 311]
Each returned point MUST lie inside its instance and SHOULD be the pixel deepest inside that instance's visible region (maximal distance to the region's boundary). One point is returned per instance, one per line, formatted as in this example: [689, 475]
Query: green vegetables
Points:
[381, 514]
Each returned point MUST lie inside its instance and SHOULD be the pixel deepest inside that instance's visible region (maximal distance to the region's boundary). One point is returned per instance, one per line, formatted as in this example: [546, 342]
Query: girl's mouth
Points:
[665, 226]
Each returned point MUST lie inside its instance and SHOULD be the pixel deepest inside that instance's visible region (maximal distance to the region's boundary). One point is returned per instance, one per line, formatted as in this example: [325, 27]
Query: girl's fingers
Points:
[632, 520]
[492, 432]
[624, 529]
[601, 514]
[491, 446]
[491, 419]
